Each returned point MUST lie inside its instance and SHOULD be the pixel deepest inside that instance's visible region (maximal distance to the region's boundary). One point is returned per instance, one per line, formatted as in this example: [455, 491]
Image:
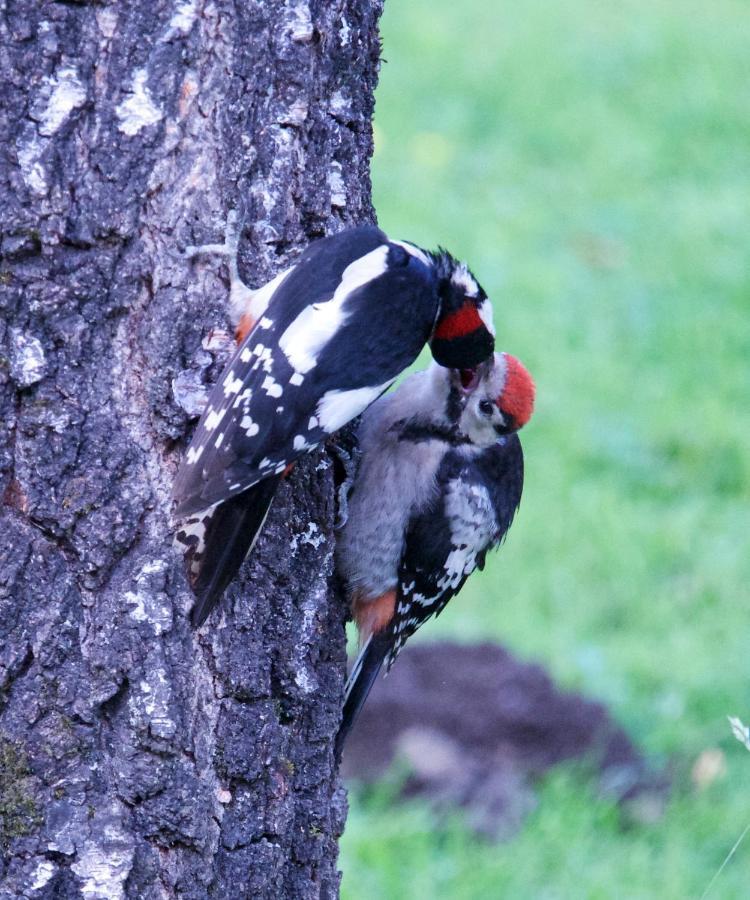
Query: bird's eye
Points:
[486, 407]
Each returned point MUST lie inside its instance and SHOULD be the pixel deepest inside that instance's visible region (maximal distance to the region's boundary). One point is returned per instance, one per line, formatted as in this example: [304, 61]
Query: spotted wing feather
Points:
[344, 322]
[476, 501]
[231, 533]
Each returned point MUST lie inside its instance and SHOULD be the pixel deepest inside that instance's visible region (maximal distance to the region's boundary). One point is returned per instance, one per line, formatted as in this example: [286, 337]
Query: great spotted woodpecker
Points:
[438, 485]
[319, 343]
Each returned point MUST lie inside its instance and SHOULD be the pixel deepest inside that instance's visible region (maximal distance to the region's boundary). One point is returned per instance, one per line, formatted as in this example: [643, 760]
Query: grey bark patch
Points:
[162, 762]
[27, 362]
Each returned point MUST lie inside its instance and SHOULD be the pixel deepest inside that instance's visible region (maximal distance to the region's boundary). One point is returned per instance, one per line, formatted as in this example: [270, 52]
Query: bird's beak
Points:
[470, 378]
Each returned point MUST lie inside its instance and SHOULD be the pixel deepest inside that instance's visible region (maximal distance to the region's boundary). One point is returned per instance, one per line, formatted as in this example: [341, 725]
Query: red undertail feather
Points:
[373, 615]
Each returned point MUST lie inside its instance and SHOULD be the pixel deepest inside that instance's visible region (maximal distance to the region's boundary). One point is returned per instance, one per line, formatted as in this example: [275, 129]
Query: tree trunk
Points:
[139, 758]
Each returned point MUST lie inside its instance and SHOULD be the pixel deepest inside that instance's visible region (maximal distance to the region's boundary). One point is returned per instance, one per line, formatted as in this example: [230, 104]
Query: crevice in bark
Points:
[162, 762]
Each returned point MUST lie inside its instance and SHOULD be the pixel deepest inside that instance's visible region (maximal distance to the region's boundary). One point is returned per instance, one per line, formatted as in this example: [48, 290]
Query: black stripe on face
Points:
[418, 432]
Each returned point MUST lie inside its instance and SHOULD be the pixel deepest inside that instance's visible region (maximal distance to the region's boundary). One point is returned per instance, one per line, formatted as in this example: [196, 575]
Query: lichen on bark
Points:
[19, 813]
[163, 762]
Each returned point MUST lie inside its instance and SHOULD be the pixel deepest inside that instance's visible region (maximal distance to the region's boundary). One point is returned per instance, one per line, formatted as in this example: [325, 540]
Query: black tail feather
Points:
[230, 535]
[361, 679]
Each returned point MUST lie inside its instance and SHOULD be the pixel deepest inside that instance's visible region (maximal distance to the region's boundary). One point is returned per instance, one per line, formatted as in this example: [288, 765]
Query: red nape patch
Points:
[517, 398]
[459, 323]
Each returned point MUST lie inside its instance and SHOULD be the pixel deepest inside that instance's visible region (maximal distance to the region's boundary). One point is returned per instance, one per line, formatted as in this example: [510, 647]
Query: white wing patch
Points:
[487, 316]
[336, 408]
[318, 323]
[464, 280]
[468, 508]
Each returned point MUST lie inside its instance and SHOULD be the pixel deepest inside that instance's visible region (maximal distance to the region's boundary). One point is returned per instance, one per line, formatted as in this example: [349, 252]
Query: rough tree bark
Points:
[138, 758]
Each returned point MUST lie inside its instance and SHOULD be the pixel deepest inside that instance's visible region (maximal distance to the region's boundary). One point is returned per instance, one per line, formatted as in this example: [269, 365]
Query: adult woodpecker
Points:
[439, 482]
[318, 344]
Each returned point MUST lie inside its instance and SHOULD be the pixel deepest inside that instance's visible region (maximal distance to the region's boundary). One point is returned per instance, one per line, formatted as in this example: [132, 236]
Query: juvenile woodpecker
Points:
[438, 485]
[319, 343]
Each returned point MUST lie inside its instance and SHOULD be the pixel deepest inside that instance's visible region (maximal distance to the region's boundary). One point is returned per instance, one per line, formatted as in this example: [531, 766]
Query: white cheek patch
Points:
[336, 408]
[314, 327]
[465, 281]
[487, 316]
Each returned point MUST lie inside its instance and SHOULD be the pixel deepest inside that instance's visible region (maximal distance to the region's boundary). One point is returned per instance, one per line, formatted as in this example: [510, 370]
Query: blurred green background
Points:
[591, 161]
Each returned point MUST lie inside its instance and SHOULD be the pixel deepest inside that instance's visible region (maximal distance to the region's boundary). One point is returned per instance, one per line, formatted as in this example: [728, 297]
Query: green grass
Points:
[591, 160]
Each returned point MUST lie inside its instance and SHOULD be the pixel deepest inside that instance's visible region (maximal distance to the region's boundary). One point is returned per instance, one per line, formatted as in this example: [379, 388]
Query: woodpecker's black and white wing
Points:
[478, 496]
[338, 328]
[216, 541]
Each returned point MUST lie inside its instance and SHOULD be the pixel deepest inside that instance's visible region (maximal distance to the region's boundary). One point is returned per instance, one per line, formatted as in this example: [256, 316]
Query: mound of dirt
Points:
[473, 727]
